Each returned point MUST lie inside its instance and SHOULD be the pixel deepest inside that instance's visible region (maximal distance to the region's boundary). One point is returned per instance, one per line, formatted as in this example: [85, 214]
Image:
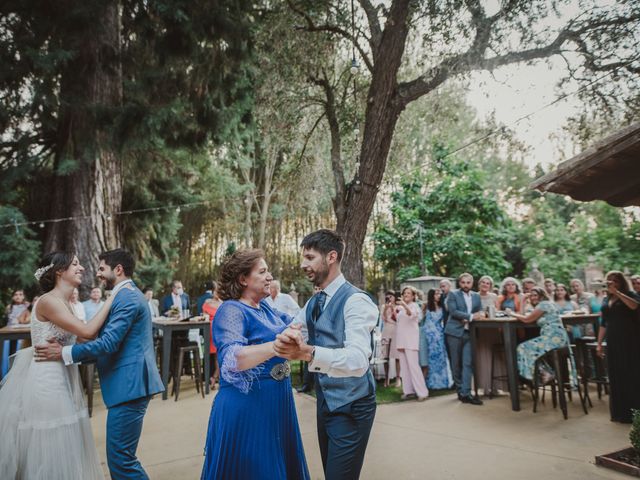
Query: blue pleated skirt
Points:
[255, 435]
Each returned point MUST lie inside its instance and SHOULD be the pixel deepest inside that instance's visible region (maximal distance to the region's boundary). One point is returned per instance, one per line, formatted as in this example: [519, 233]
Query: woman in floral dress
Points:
[552, 333]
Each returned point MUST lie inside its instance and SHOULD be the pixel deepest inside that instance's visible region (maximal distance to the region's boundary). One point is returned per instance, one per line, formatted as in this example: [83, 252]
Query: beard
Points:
[109, 281]
[319, 276]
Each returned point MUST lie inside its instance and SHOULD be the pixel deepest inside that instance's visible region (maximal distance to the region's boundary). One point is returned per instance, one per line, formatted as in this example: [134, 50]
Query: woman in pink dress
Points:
[407, 343]
[389, 337]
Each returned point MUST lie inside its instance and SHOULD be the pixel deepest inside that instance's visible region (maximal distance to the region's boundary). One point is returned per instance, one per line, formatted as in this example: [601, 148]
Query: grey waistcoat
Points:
[328, 331]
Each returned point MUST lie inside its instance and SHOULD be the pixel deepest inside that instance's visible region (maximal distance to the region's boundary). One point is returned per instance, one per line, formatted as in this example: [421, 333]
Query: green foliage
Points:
[634, 434]
[463, 229]
[18, 254]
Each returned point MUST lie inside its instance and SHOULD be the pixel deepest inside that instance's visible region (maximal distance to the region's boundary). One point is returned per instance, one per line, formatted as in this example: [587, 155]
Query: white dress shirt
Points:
[469, 303]
[284, 303]
[67, 357]
[360, 319]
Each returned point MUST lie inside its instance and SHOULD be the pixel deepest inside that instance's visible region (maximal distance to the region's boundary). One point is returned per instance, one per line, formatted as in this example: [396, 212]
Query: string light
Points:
[109, 216]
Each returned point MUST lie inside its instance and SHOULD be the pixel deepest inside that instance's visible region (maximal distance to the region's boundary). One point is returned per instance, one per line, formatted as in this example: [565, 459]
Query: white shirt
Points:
[467, 301]
[67, 358]
[284, 303]
[360, 319]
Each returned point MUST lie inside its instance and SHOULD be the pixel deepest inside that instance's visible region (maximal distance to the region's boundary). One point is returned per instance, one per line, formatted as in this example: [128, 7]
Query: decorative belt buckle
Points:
[281, 371]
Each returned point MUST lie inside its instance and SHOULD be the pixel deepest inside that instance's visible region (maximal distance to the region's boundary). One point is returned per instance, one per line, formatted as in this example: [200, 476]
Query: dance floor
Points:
[438, 439]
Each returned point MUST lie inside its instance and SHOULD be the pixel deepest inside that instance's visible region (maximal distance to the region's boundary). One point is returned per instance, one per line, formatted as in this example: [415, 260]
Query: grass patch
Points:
[384, 394]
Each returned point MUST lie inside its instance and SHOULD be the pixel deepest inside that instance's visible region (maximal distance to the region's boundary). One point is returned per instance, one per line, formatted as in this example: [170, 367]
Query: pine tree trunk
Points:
[88, 181]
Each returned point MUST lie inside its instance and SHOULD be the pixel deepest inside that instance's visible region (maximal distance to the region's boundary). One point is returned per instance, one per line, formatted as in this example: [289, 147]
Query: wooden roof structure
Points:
[609, 171]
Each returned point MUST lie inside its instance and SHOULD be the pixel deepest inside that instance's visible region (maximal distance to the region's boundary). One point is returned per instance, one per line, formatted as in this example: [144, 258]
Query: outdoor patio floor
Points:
[438, 439]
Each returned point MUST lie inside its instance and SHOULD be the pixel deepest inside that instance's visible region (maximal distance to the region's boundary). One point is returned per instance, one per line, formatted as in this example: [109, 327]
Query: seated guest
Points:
[178, 299]
[464, 306]
[208, 293]
[438, 371]
[486, 339]
[563, 301]
[283, 302]
[94, 303]
[25, 317]
[549, 287]
[510, 297]
[552, 332]
[152, 302]
[527, 286]
[621, 326]
[407, 342]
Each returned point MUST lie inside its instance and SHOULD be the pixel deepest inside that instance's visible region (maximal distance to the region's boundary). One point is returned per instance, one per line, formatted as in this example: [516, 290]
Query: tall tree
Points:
[450, 40]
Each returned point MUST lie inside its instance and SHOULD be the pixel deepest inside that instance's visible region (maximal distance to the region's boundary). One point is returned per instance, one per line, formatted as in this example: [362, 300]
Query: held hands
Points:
[478, 316]
[290, 344]
[48, 352]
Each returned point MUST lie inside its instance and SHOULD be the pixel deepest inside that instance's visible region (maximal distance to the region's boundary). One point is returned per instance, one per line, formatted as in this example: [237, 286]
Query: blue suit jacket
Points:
[124, 351]
[457, 309]
[167, 303]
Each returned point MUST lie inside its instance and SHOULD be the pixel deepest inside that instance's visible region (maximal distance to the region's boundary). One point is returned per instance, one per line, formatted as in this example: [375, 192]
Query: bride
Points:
[44, 425]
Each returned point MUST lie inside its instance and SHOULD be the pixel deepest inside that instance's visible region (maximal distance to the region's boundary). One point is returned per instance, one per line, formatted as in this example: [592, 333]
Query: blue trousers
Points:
[343, 435]
[461, 362]
[124, 426]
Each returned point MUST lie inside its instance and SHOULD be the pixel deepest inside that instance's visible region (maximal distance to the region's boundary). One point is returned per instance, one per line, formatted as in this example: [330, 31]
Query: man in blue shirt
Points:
[94, 303]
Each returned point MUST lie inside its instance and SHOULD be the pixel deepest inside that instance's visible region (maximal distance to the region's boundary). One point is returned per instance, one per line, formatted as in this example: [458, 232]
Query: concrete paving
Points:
[438, 439]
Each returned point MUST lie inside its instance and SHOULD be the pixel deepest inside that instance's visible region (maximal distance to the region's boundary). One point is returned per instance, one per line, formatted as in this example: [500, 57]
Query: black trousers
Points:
[343, 436]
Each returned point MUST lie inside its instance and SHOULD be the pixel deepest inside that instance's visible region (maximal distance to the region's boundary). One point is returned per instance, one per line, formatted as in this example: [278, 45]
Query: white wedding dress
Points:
[44, 425]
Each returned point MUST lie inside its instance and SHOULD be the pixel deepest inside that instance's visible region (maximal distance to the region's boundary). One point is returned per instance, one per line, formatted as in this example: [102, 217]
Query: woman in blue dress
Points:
[253, 428]
[439, 373]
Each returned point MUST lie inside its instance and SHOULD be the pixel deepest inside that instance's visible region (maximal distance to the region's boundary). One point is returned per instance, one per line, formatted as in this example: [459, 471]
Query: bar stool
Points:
[597, 374]
[194, 352]
[560, 382]
[497, 349]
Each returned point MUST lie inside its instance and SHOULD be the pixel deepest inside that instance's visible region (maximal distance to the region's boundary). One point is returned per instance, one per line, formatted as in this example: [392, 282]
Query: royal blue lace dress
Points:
[253, 428]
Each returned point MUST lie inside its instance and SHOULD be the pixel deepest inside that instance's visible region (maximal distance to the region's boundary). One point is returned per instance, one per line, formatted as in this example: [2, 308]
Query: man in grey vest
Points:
[333, 333]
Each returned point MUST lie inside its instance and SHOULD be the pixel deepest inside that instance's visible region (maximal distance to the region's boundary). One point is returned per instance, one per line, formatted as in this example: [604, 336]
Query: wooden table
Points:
[509, 326]
[581, 319]
[167, 327]
[12, 333]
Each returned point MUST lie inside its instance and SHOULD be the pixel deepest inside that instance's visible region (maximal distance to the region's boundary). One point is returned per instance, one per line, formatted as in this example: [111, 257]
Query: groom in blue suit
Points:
[126, 363]
[464, 306]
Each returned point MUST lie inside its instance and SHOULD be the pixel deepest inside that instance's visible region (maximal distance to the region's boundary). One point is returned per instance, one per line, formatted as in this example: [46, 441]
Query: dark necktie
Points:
[321, 297]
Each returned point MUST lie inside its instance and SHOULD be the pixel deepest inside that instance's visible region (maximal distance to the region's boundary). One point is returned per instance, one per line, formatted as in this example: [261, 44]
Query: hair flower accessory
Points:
[41, 271]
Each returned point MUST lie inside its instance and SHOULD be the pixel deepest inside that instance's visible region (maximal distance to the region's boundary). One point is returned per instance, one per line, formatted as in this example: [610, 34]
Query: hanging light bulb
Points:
[355, 66]
[41, 225]
[177, 209]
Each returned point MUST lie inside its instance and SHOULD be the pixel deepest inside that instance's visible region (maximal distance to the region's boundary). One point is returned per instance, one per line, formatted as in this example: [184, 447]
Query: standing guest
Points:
[565, 305]
[282, 302]
[510, 296]
[596, 301]
[208, 293]
[549, 287]
[580, 296]
[152, 302]
[527, 285]
[439, 372]
[635, 283]
[94, 303]
[583, 299]
[621, 325]
[445, 288]
[77, 307]
[25, 317]
[178, 299]
[253, 428]
[552, 332]
[18, 305]
[389, 336]
[485, 342]
[423, 342]
[407, 343]
[464, 306]
[210, 308]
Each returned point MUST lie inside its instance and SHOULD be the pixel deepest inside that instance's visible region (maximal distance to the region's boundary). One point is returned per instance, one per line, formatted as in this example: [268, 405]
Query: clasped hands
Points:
[290, 344]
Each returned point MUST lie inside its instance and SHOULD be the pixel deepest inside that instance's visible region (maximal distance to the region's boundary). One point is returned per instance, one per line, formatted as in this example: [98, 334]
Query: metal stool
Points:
[496, 349]
[597, 374]
[191, 349]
